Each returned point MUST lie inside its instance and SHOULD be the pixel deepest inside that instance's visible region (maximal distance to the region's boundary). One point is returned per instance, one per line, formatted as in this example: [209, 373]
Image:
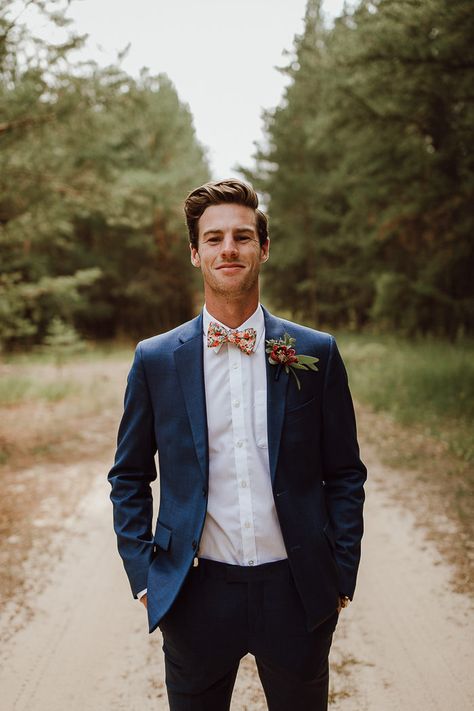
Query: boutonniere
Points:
[282, 354]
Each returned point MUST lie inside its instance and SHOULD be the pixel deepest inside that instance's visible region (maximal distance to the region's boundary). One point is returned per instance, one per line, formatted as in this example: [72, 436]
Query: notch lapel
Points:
[190, 368]
[276, 394]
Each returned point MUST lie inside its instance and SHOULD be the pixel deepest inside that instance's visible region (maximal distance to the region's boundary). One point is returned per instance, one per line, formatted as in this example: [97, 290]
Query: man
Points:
[257, 542]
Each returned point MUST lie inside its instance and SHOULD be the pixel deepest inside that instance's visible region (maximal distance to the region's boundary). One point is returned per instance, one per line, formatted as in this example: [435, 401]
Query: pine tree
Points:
[368, 171]
[93, 169]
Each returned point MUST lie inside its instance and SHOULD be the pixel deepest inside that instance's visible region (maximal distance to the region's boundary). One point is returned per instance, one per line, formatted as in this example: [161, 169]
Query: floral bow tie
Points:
[217, 335]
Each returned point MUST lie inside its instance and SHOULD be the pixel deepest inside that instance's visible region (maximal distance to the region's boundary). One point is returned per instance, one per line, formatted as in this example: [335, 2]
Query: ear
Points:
[265, 250]
[195, 258]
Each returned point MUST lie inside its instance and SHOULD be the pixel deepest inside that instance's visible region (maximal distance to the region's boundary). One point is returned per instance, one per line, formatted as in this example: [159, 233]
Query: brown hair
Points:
[224, 191]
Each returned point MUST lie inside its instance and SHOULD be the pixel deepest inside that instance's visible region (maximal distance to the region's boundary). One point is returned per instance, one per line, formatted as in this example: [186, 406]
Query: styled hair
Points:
[217, 193]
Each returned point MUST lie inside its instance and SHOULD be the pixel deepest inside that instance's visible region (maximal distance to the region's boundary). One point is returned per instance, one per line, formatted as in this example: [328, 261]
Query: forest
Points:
[94, 165]
[366, 172]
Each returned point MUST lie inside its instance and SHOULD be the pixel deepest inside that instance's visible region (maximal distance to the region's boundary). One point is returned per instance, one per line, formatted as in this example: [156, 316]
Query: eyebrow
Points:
[243, 228]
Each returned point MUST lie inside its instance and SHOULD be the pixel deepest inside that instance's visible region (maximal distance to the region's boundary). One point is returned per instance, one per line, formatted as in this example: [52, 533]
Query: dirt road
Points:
[77, 641]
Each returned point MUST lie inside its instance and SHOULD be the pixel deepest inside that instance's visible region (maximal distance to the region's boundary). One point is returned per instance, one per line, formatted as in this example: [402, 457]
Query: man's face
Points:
[229, 252]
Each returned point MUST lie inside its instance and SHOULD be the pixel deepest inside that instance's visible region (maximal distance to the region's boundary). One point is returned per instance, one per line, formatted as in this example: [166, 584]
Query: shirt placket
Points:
[239, 432]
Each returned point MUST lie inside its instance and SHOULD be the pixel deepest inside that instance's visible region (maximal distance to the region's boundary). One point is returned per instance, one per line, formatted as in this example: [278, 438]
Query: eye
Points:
[213, 240]
[243, 238]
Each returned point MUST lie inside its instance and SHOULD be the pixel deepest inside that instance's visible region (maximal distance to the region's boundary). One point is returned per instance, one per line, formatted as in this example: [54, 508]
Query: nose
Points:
[229, 247]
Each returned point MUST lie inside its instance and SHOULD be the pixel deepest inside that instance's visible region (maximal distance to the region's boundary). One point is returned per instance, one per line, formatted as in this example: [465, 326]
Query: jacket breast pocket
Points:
[301, 412]
[301, 424]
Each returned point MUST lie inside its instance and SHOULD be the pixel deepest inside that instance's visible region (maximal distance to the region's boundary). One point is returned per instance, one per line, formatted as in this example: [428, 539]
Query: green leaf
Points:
[307, 360]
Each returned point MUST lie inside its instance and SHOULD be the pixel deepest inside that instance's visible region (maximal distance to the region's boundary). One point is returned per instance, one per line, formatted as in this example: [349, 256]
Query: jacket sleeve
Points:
[343, 471]
[133, 470]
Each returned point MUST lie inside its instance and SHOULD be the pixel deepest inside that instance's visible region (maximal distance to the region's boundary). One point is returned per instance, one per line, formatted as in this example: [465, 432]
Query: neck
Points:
[232, 313]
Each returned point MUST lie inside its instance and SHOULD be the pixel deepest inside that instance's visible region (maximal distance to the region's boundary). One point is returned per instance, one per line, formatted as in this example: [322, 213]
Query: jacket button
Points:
[194, 545]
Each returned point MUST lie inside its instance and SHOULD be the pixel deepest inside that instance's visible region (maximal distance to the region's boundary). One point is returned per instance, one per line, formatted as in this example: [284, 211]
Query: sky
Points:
[220, 54]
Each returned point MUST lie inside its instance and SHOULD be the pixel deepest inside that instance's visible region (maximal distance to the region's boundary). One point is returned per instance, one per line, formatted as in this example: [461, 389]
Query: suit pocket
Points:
[162, 537]
[306, 411]
[299, 407]
[301, 422]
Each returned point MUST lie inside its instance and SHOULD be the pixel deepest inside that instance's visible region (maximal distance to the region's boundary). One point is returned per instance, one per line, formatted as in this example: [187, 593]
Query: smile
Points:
[230, 267]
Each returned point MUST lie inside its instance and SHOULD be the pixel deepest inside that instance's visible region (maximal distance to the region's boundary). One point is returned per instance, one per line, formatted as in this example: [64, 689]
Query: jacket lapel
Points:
[276, 394]
[190, 367]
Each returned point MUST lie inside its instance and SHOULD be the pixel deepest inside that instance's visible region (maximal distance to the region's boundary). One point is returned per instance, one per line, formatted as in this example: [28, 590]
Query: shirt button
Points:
[251, 562]
[236, 403]
[247, 524]
[235, 366]
[243, 483]
[239, 443]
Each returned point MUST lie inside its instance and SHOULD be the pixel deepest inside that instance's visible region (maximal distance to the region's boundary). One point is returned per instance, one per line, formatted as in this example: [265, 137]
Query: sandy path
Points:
[407, 640]
[405, 643]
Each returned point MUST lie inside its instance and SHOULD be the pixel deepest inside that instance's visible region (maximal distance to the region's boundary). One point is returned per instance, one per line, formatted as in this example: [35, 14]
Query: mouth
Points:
[230, 268]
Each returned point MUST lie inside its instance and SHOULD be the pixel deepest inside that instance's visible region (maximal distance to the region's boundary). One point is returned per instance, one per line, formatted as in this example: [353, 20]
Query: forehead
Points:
[227, 216]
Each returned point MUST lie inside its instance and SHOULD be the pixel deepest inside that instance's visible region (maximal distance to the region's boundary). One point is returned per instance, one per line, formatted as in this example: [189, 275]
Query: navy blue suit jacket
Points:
[317, 475]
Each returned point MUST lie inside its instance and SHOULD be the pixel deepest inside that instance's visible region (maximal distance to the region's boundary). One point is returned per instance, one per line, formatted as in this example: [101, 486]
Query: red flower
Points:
[283, 354]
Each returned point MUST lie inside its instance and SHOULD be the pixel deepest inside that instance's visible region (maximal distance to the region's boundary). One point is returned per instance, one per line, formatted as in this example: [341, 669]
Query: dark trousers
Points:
[224, 612]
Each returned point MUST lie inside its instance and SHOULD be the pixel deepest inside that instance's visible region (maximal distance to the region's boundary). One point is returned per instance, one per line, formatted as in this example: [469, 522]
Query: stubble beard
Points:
[242, 288]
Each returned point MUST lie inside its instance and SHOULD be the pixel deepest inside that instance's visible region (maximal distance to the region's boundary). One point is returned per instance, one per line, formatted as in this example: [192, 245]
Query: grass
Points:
[37, 376]
[16, 388]
[416, 407]
[47, 410]
[111, 350]
[428, 383]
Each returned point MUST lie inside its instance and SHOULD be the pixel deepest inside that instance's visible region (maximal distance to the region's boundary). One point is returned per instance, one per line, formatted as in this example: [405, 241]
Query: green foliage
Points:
[93, 168]
[62, 340]
[368, 171]
[426, 382]
[27, 308]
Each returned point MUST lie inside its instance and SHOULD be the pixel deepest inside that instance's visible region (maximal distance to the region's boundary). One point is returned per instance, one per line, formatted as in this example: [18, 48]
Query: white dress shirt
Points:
[241, 525]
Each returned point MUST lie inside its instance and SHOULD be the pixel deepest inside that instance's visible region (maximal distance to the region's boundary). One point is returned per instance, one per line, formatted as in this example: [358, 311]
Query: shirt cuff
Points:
[141, 593]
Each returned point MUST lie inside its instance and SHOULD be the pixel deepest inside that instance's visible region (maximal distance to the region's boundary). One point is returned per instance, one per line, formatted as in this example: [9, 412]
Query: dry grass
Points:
[49, 412]
[426, 381]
